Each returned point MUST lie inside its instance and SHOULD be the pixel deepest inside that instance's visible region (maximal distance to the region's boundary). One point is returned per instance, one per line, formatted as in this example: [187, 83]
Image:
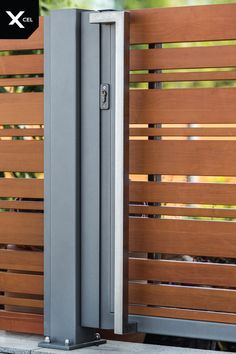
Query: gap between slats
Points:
[227, 132]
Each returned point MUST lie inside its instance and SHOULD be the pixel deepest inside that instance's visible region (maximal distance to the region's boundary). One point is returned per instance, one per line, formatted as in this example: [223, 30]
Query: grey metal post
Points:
[63, 150]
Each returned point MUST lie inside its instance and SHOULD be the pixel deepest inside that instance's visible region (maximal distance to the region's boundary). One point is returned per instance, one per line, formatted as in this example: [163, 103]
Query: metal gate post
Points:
[86, 176]
[63, 328]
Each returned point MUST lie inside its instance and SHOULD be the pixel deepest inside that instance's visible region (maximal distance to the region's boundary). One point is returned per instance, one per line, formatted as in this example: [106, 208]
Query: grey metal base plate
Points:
[73, 346]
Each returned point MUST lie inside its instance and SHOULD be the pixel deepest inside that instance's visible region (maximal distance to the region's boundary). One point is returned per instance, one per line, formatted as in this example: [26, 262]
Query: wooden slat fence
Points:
[21, 184]
[182, 163]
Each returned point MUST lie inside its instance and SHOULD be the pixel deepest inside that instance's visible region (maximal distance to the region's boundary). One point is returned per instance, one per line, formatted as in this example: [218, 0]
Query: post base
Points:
[72, 346]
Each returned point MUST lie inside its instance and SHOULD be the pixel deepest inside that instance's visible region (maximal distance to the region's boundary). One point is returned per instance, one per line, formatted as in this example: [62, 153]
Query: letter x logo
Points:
[15, 19]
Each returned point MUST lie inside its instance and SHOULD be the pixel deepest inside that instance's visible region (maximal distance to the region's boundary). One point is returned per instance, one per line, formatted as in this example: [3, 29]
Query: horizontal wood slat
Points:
[182, 132]
[35, 41]
[181, 211]
[183, 314]
[21, 322]
[21, 283]
[21, 260]
[183, 76]
[21, 228]
[183, 24]
[183, 272]
[192, 193]
[21, 64]
[18, 301]
[22, 132]
[191, 237]
[21, 187]
[21, 108]
[183, 58]
[208, 105]
[22, 156]
[183, 297]
[19, 205]
[23, 81]
[183, 157]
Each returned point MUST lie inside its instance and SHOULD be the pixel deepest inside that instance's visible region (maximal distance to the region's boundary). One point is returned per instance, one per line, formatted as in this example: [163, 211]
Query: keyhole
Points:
[104, 96]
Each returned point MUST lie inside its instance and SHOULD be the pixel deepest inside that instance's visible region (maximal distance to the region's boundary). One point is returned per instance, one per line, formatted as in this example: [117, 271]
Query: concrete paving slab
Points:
[28, 344]
[115, 347]
[18, 343]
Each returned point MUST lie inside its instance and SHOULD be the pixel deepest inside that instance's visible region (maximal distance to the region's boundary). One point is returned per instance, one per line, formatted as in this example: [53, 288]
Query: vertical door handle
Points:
[120, 19]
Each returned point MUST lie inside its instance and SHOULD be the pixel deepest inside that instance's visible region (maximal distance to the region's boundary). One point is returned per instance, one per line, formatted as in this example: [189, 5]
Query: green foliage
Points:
[47, 5]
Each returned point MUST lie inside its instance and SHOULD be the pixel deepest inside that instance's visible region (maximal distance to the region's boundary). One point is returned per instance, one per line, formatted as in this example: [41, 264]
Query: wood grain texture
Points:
[183, 58]
[183, 24]
[227, 132]
[21, 108]
[20, 205]
[197, 158]
[183, 272]
[192, 193]
[183, 297]
[19, 301]
[181, 211]
[21, 283]
[191, 237]
[21, 228]
[35, 41]
[21, 156]
[21, 322]
[208, 105]
[21, 64]
[21, 187]
[183, 76]
[21, 260]
[23, 81]
[22, 132]
[183, 314]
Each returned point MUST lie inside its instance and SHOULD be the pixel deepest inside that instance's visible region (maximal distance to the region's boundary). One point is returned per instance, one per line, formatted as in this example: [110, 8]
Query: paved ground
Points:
[28, 344]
